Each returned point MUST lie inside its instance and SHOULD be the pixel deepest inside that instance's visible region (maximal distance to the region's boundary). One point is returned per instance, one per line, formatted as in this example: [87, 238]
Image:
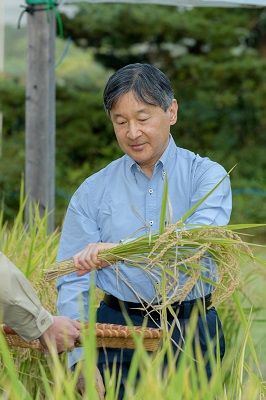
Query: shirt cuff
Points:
[38, 325]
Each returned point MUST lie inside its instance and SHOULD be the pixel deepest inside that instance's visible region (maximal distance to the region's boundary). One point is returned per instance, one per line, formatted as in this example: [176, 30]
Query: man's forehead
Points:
[117, 113]
[139, 105]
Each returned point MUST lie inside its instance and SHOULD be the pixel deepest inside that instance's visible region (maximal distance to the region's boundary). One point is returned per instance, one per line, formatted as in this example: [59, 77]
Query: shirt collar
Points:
[166, 157]
[165, 160]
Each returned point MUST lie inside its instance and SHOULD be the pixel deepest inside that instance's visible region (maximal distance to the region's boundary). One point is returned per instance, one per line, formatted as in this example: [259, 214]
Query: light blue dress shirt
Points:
[119, 200]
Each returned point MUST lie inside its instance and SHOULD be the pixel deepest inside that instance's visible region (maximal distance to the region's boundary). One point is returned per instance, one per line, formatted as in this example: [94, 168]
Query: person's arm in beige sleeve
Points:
[21, 309]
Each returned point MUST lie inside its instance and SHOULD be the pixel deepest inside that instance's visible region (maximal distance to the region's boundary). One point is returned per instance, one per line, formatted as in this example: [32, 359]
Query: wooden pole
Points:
[40, 113]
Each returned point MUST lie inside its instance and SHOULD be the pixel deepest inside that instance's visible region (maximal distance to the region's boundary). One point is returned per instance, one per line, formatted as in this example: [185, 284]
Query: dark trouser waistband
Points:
[182, 310]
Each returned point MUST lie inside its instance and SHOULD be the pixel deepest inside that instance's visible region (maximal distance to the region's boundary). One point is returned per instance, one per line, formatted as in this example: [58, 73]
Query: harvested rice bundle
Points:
[179, 251]
[177, 258]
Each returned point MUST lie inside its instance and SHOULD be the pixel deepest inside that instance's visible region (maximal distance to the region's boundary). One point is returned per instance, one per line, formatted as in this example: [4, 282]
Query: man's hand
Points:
[80, 386]
[63, 333]
[87, 260]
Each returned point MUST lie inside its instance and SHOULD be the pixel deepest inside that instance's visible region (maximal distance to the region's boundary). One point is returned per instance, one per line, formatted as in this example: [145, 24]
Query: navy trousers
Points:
[121, 358]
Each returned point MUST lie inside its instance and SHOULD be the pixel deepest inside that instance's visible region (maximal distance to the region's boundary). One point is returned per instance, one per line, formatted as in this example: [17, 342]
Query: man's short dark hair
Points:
[148, 83]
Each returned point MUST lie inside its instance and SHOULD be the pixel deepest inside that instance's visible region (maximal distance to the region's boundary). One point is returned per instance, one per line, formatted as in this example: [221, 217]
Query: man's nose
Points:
[133, 131]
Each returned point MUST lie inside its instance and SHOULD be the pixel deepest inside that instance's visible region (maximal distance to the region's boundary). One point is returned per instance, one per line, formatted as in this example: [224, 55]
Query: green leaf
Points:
[164, 206]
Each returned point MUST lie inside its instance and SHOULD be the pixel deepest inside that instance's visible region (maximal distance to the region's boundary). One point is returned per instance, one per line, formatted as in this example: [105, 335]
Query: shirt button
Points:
[150, 191]
[164, 173]
[151, 223]
[42, 321]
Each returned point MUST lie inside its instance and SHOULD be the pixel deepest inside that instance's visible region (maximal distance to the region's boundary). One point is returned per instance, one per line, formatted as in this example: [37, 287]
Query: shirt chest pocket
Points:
[117, 221]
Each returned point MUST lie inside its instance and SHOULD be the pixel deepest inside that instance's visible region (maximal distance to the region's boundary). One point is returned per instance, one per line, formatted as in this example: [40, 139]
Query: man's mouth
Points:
[137, 146]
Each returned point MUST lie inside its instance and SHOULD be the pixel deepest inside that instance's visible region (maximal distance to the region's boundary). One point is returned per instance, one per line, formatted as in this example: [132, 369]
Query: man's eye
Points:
[121, 122]
[143, 119]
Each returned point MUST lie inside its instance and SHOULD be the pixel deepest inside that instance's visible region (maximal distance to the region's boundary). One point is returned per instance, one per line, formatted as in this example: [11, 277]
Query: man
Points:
[21, 309]
[125, 197]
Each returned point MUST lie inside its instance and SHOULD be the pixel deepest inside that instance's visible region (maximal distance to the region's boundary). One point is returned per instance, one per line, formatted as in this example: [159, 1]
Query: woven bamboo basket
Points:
[107, 335]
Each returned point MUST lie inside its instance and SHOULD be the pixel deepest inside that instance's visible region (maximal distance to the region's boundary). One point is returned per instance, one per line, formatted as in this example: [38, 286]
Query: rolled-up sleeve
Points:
[19, 304]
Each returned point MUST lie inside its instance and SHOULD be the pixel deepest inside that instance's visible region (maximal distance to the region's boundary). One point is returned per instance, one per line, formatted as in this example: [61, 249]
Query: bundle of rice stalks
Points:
[179, 258]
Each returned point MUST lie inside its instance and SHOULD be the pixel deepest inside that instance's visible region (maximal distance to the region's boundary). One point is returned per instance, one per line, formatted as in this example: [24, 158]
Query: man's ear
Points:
[173, 109]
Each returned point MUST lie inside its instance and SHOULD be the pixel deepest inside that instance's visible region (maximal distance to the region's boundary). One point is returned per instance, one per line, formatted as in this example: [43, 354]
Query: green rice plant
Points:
[251, 295]
[10, 385]
[30, 248]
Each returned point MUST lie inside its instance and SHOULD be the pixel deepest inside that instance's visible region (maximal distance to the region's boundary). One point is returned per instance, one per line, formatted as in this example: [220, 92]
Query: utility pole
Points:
[40, 112]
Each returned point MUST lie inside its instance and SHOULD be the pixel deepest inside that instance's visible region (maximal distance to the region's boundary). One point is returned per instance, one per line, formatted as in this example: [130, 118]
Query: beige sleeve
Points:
[20, 307]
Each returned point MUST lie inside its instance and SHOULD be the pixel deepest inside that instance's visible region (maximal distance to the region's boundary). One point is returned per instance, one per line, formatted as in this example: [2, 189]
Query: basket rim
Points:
[107, 335]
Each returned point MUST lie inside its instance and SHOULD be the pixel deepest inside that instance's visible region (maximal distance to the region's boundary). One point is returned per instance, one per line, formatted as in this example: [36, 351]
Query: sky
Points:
[12, 11]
